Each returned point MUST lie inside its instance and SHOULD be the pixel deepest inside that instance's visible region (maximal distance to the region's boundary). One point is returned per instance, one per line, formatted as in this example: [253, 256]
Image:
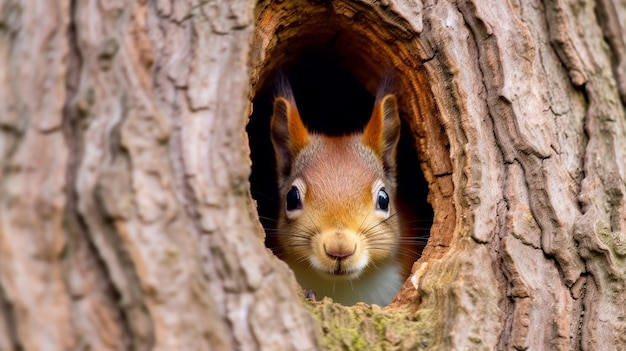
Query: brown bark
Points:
[116, 234]
[125, 215]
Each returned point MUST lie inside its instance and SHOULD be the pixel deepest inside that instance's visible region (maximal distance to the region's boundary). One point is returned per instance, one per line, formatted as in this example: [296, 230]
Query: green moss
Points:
[380, 324]
[364, 327]
[358, 343]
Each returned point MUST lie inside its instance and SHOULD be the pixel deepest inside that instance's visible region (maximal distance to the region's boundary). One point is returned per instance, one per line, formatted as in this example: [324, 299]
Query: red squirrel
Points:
[337, 226]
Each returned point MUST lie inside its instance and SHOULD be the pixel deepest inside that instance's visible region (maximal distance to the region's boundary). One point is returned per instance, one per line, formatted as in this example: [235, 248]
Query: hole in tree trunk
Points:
[334, 67]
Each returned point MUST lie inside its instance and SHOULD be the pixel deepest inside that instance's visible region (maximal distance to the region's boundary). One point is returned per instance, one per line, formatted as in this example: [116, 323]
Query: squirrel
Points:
[337, 226]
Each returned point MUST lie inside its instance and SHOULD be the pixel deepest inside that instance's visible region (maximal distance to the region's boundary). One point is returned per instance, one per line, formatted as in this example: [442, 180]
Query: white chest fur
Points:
[377, 286]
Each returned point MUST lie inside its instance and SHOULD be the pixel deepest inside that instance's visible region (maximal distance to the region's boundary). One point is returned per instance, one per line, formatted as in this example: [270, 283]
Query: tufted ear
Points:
[289, 135]
[382, 132]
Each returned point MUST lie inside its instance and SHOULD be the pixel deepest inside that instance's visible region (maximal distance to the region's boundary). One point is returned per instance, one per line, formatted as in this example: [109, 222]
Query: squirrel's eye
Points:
[382, 202]
[293, 199]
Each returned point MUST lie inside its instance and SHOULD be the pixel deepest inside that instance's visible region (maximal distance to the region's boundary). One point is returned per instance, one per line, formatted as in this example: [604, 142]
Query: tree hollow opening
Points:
[335, 64]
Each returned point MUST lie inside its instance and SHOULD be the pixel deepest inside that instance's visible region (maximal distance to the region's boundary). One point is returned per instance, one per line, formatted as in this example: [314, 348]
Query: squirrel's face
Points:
[337, 214]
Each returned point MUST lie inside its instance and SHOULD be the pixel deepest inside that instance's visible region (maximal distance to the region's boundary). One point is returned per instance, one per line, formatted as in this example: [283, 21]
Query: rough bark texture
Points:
[125, 215]
[126, 220]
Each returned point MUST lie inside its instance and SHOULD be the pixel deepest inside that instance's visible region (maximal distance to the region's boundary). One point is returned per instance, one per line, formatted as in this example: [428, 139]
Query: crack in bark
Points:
[559, 29]
[507, 306]
[581, 316]
[7, 312]
[82, 250]
[609, 20]
[10, 133]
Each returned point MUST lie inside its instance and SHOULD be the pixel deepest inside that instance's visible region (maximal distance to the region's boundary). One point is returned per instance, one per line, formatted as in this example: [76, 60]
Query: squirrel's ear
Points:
[382, 132]
[289, 135]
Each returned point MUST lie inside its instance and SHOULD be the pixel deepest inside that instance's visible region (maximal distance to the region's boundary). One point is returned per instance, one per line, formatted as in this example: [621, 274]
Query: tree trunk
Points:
[126, 220]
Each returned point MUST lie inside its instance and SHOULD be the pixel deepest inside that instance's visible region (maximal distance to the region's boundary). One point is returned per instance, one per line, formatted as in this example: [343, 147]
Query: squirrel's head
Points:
[337, 212]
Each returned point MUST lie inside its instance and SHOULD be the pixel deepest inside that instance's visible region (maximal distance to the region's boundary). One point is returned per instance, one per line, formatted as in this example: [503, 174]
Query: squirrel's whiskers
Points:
[337, 226]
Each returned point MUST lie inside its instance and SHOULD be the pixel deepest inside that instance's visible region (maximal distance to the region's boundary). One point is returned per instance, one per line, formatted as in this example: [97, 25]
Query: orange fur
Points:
[373, 133]
[338, 242]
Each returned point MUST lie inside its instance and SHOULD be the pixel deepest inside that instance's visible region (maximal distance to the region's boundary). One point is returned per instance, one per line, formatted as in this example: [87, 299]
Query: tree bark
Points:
[126, 220]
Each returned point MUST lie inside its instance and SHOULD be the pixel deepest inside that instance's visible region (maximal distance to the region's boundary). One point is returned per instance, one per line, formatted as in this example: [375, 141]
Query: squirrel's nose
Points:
[339, 251]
